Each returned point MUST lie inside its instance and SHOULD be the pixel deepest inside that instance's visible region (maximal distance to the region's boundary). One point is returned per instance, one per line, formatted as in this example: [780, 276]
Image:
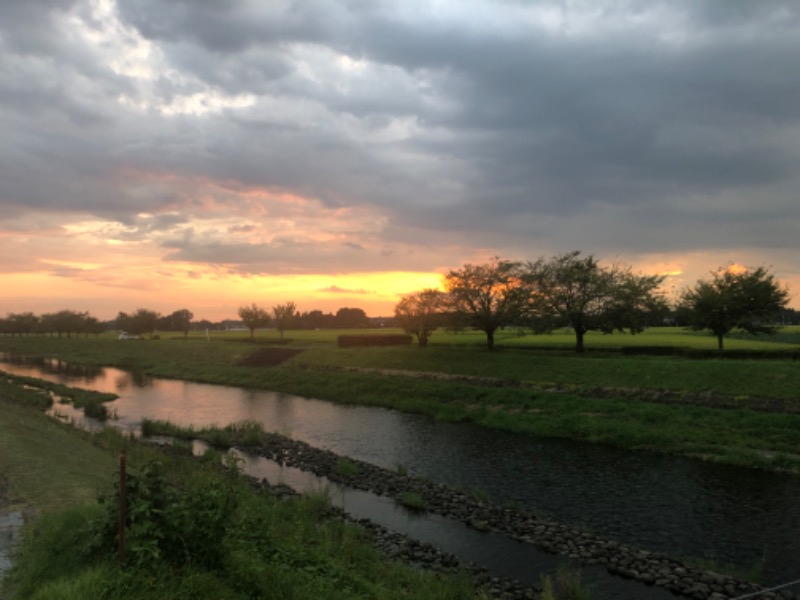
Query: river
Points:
[685, 508]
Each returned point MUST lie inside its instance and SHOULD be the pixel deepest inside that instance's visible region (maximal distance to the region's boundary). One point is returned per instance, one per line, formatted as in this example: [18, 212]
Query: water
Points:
[499, 554]
[683, 508]
[10, 534]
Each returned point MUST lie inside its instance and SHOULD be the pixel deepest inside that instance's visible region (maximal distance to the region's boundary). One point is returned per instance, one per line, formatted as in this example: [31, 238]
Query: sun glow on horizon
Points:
[209, 293]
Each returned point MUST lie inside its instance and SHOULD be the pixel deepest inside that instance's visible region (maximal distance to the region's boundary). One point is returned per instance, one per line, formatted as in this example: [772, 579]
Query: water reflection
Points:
[680, 507]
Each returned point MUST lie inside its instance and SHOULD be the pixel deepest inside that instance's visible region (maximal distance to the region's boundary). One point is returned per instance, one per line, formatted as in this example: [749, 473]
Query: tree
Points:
[420, 314]
[488, 296]
[253, 317]
[143, 321]
[571, 290]
[316, 319]
[351, 318]
[284, 316]
[745, 299]
[180, 320]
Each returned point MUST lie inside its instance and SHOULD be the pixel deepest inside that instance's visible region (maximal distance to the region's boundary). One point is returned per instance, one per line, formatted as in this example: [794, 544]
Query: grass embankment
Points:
[45, 464]
[594, 401]
[194, 529]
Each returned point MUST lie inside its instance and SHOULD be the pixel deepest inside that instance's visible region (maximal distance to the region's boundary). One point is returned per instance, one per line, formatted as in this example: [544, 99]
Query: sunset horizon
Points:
[334, 155]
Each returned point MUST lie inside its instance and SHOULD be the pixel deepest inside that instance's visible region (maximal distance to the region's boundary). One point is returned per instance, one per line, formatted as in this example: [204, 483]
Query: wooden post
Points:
[121, 521]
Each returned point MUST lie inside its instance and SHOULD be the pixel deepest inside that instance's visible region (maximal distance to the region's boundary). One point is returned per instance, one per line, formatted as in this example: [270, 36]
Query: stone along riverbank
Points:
[619, 559]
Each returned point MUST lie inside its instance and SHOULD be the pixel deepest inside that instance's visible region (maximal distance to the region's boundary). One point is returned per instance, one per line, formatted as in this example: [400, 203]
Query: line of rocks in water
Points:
[557, 538]
[421, 554]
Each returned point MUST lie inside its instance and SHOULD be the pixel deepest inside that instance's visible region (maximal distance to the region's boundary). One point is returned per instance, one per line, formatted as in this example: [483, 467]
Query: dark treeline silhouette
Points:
[62, 323]
[143, 321]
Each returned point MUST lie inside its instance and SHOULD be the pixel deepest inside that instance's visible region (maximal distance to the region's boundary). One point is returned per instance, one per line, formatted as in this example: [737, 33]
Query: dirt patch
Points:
[269, 357]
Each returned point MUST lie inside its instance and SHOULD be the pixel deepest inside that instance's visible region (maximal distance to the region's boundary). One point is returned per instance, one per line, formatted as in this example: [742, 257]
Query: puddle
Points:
[10, 536]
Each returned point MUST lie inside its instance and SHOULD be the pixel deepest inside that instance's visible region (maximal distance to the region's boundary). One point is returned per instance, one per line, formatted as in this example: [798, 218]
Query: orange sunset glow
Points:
[208, 165]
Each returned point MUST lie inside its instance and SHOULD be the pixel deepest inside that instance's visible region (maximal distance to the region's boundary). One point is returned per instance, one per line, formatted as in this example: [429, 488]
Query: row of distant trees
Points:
[63, 322]
[568, 290]
[144, 321]
[70, 323]
[286, 316]
[575, 291]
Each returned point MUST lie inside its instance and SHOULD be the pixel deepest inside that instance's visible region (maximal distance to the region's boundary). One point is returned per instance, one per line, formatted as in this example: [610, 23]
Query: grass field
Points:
[692, 407]
[786, 338]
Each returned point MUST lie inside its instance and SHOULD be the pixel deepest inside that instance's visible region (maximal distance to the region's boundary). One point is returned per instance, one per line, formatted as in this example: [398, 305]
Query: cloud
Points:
[350, 135]
[335, 289]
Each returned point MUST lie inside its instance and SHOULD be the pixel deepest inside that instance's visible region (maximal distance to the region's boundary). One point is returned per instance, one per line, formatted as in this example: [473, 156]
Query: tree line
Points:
[575, 291]
[144, 321]
[62, 323]
[569, 290]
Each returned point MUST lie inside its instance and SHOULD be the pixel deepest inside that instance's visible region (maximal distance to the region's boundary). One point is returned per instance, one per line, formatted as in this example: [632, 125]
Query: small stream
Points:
[684, 508]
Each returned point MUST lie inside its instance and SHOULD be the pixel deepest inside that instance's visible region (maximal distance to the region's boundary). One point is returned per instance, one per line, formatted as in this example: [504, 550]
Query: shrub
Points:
[165, 524]
[346, 468]
[413, 501]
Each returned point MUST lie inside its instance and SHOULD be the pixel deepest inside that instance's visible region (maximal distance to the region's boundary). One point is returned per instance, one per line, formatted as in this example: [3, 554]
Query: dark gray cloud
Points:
[635, 127]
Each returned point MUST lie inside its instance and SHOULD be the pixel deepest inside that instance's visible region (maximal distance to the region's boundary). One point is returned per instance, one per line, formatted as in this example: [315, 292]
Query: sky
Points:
[198, 154]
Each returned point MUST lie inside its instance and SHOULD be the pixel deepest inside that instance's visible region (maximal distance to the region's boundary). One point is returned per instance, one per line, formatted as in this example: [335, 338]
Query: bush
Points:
[165, 524]
[413, 501]
[346, 468]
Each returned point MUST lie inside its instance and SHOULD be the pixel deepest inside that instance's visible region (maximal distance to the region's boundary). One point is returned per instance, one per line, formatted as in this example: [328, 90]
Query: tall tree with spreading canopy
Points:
[253, 317]
[734, 298]
[571, 290]
[487, 297]
[420, 314]
[284, 315]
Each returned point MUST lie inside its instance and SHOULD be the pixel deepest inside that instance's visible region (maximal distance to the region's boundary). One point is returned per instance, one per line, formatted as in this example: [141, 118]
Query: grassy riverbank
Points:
[673, 404]
[196, 529]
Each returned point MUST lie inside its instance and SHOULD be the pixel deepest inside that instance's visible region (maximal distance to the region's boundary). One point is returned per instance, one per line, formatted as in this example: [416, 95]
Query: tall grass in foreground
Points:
[195, 530]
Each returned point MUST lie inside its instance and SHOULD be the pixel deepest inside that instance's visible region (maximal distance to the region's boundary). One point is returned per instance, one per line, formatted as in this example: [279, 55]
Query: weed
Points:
[567, 585]
[346, 468]
[413, 501]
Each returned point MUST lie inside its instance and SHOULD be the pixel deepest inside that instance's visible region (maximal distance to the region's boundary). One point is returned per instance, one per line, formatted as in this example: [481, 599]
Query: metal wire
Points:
[772, 589]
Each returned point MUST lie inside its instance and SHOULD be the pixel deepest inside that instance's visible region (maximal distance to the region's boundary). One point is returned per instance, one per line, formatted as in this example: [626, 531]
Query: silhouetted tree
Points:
[420, 314]
[253, 317]
[488, 296]
[180, 320]
[571, 290]
[143, 321]
[316, 319]
[351, 318]
[284, 316]
[745, 299]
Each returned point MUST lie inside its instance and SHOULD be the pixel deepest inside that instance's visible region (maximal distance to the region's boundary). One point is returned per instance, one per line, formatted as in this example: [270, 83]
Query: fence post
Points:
[121, 520]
